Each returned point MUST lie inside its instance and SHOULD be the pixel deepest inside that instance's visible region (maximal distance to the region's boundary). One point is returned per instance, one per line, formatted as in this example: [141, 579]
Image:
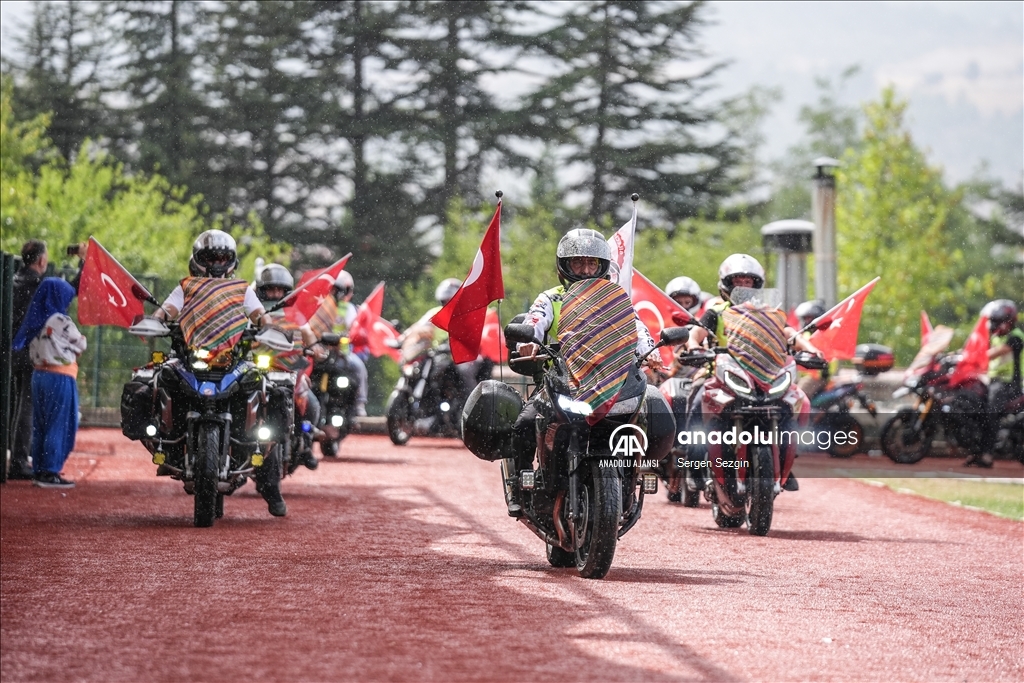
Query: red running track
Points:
[400, 564]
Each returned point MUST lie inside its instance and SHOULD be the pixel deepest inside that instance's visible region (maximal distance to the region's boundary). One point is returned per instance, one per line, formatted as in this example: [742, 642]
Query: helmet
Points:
[214, 253]
[193, 267]
[446, 290]
[343, 284]
[999, 312]
[582, 242]
[809, 310]
[684, 286]
[736, 265]
[274, 275]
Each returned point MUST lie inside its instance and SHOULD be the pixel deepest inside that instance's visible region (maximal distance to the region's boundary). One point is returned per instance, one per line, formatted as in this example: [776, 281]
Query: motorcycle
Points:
[335, 384]
[583, 495]
[427, 399]
[751, 388]
[959, 410]
[677, 391]
[206, 423]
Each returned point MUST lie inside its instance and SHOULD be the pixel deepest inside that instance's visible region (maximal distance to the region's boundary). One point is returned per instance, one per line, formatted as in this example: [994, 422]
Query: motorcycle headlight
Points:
[738, 383]
[575, 407]
[200, 365]
[342, 382]
[199, 358]
[263, 433]
[337, 420]
[263, 361]
[780, 385]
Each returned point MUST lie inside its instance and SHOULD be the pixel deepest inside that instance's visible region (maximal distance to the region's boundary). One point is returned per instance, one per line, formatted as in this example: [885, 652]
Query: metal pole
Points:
[6, 359]
[824, 211]
[97, 361]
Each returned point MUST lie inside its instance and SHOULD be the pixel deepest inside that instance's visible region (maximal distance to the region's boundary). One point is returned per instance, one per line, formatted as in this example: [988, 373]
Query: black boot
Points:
[791, 483]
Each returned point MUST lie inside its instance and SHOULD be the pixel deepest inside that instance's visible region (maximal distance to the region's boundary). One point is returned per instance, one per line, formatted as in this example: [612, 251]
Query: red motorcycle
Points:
[752, 412]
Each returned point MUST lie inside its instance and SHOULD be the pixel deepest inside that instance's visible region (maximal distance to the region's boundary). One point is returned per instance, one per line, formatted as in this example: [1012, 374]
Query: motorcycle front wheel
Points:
[560, 558]
[399, 421]
[205, 470]
[903, 440]
[597, 530]
[761, 492]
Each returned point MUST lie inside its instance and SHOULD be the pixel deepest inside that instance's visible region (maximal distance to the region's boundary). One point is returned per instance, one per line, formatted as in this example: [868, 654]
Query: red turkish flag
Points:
[974, 357]
[657, 310]
[370, 331]
[309, 299]
[492, 342]
[107, 293]
[463, 316]
[926, 327]
[836, 335]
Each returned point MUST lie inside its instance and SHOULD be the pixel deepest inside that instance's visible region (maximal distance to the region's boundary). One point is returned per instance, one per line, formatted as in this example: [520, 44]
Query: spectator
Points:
[34, 259]
[54, 345]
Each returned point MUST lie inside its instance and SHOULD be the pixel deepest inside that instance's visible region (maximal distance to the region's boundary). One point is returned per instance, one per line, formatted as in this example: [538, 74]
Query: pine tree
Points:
[627, 115]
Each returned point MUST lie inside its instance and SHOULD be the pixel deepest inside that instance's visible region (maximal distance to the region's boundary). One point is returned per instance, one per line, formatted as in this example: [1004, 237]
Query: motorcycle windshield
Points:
[213, 315]
[597, 332]
[766, 298]
[756, 339]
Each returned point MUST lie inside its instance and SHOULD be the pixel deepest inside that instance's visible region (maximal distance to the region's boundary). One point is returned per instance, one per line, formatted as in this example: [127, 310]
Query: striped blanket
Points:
[756, 339]
[326, 314]
[213, 316]
[289, 361]
[597, 331]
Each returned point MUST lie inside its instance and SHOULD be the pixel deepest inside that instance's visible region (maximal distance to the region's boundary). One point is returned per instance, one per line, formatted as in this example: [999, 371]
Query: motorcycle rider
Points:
[812, 382]
[215, 255]
[737, 270]
[342, 290]
[274, 284]
[423, 329]
[685, 292]
[581, 254]
[1006, 348]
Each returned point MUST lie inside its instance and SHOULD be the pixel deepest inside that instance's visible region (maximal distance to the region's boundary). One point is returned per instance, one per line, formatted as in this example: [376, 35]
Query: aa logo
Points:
[628, 441]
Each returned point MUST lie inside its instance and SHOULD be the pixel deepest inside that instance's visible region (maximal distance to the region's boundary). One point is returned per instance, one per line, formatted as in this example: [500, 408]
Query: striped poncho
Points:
[213, 316]
[757, 340]
[598, 334]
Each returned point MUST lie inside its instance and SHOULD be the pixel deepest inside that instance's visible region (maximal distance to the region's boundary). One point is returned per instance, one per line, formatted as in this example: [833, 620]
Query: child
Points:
[54, 345]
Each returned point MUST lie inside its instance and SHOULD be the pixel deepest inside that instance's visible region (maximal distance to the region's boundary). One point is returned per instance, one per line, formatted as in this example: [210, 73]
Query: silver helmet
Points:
[582, 242]
[215, 254]
[446, 290]
[274, 276]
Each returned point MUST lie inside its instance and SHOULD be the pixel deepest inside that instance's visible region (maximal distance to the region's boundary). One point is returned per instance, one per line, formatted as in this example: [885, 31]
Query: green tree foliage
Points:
[896, 218]
[625, 101]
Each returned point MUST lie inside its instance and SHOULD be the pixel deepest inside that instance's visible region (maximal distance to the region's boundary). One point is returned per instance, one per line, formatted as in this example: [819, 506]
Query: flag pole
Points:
[501, 367]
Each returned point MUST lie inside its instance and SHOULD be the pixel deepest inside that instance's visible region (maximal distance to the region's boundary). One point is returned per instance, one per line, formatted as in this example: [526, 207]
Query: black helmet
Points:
[215, 254]
[587, 243]
[274, 275]
[999, 313]
[809, 310]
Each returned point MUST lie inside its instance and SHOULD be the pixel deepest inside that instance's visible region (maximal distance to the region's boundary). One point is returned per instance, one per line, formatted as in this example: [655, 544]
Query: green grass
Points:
[1005, 500]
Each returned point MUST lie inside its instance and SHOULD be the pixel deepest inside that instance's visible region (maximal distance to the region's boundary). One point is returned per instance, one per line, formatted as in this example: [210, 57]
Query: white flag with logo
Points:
[621, 244]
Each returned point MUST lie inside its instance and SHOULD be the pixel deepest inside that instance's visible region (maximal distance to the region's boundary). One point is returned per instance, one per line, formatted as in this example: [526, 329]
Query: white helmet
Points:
[446, 290]
[737, 265]
[344, 284]
[684, 286]
[582, 242]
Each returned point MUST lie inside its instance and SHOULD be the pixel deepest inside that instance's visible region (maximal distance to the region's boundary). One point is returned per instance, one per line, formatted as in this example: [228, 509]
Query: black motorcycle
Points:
[207, 424]
[427, 399]
[336, 385]
[685, 483]
[584, 495]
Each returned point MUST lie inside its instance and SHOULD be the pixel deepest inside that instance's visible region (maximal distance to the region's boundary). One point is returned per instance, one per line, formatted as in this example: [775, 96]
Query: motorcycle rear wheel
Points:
[399, 422]
[205, 472]
[902, 441]
[761, 492]
[598, 528]
[846, 423]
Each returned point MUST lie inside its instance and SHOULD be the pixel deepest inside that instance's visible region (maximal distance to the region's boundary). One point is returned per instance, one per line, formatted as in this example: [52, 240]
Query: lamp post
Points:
[791, 242]
[823, 208]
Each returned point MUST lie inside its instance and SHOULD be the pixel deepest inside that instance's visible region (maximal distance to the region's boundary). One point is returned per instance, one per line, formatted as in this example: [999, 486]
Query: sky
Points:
[960, 65]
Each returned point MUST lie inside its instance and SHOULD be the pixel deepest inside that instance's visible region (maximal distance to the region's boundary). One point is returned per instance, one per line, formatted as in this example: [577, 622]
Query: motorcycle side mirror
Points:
[330, 339]
[522, 334]
[149, 327]
[275, 339]
[674, 335]
[810, 361]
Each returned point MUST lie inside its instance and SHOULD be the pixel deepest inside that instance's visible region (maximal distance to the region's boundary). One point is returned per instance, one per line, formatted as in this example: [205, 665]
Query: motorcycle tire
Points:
[399, 422]
[761, 492]
[846, 423]
[205, 469]
[598, 529]
[329, 448]
[560, 558]
[895, 443]
[726, 521]
[219, 511]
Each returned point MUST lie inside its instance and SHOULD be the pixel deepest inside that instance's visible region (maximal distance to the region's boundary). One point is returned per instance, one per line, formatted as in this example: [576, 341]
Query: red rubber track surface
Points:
[401, 564]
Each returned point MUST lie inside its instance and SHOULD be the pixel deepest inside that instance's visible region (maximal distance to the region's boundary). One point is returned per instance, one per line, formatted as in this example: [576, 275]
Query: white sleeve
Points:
[540, 315]
[176, 299]
[644, 342]
[350, 314]
[252, 302]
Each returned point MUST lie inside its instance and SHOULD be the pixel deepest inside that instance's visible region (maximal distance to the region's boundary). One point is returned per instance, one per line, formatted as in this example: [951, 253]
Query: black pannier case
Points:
[487, 419]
